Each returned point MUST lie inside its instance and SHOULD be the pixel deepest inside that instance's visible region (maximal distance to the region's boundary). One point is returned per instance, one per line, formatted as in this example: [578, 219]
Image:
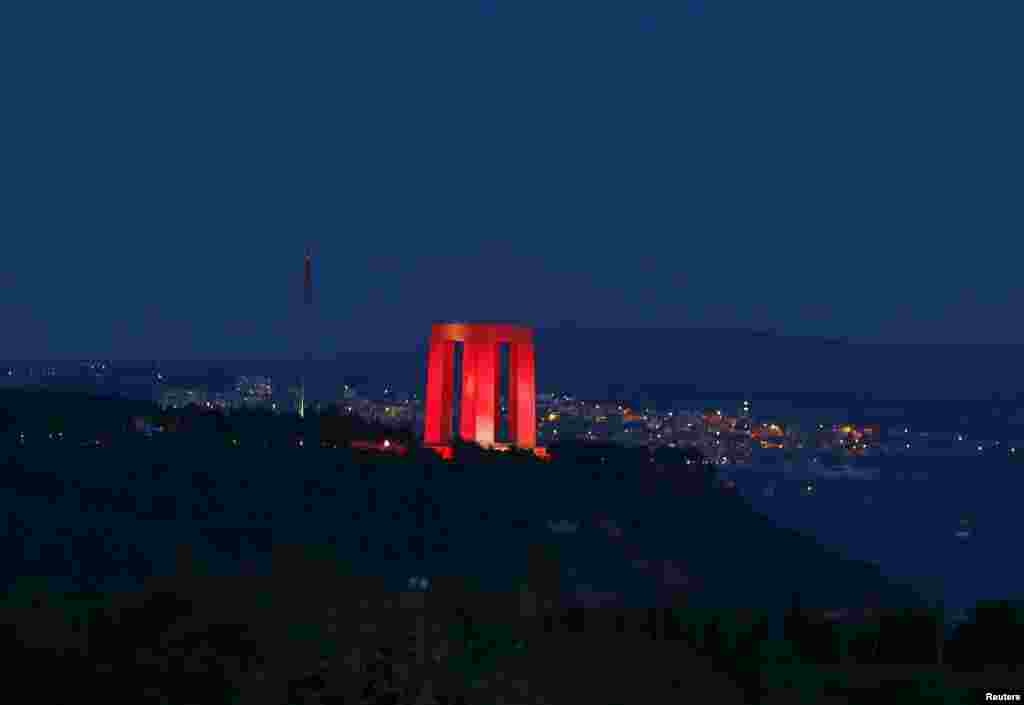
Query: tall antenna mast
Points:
[307, 281]
[307, 297]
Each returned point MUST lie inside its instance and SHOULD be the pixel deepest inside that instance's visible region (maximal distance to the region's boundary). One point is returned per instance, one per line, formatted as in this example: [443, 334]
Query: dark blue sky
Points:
[819, 168]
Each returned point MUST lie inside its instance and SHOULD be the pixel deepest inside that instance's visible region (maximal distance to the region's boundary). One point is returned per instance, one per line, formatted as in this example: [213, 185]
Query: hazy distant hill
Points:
[745, 361]
[699, 362]
[590, 360]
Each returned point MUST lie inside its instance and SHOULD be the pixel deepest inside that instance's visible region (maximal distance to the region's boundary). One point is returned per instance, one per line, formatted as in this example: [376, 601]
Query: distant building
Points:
[224, 401]
[296, 399]
[255, 392]
[181, 397]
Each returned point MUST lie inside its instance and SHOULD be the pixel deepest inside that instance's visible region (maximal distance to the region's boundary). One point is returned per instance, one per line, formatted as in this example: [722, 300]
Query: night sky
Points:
[816, 168]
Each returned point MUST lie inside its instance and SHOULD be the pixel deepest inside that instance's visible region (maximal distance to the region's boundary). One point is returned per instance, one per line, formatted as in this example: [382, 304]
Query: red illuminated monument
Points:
[479, 408]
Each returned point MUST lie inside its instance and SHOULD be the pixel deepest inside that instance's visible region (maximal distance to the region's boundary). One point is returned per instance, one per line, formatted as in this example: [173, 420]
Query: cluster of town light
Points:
[418, 582]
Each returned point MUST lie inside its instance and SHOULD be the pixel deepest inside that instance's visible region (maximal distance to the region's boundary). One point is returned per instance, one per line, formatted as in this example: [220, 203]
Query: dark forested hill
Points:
[596, 527]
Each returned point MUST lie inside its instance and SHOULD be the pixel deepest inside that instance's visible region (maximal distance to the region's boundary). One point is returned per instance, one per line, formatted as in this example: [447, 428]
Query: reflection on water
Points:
[965, 529]
[920, 520]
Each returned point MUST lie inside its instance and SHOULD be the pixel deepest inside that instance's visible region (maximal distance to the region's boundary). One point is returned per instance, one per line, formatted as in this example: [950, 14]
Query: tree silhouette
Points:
[994, 634]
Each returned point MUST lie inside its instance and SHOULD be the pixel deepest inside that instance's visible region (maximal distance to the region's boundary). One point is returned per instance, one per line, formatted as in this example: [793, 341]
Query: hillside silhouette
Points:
[221, 540]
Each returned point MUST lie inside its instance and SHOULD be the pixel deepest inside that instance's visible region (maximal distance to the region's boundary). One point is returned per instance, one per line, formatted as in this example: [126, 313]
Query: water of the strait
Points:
[952, 523]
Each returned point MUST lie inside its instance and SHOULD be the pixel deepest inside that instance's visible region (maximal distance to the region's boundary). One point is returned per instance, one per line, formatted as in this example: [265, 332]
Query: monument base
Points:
[448, 452]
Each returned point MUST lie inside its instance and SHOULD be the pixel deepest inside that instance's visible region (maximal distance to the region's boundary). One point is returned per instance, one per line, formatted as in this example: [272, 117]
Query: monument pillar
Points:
[480, 403]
